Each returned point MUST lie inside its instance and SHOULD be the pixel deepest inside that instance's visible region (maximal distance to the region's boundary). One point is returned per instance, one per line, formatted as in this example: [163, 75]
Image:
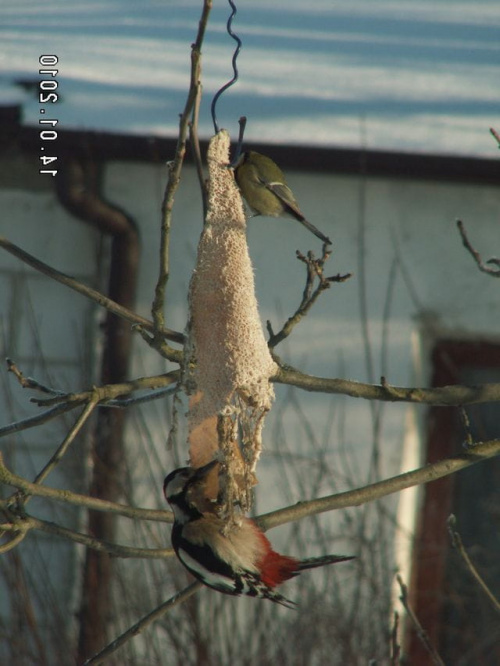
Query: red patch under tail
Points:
[275, 568]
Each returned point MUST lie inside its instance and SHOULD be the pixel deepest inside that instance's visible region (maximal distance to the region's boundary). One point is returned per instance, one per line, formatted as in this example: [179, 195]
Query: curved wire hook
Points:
[233, 62]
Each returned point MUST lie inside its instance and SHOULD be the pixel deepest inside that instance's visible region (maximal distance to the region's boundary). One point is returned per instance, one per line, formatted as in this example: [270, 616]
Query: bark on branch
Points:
[440, 396]
[28, 488]
[380, 489]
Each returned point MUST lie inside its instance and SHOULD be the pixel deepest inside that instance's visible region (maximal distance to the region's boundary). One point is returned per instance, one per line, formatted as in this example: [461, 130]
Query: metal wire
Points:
[235, 67]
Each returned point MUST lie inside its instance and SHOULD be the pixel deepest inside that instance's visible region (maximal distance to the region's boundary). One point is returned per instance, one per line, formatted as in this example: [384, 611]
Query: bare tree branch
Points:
[12, 543]
[457, 543]
[38, 419]
[112, 391]
[137, 628]
[281, 516]
[314, 268]
[175, 169]
[103, 394]
[381, 488]
[94, 295]
[421, 633]
[494, 272]
[116, 550]
[195, 147]
[445, 396]
[61, 450]
[15, 525]
[29, 382]
[450, 396]
[395, 655]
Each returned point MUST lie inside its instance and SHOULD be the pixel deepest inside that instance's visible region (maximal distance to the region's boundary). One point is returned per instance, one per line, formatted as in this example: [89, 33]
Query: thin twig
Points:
[115, 550]
[421, 633]
[141, 399]
[314, 269]
[457, 543]
[174, 176]
[29, 382]
[15, 526]
[61, 450]
[137, 628]
[496, 135]
[12, 543]
[494, 272]
[395, 646]
[104, 394]
[158, 343]
[38, 419]
[90, 293]
[112, 391]
[464, 417]
[195, 147]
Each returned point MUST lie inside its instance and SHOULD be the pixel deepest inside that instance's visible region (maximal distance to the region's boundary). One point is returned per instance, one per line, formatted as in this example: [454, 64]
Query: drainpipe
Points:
[78, 187]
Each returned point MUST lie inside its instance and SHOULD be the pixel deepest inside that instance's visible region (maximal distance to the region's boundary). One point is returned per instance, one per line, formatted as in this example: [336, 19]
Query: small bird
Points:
[264, 188]
[241, 562]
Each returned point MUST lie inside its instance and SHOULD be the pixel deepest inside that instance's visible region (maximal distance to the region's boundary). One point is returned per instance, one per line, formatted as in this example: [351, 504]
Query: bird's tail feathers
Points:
[280, 599]
[313, 562]
[314, 230]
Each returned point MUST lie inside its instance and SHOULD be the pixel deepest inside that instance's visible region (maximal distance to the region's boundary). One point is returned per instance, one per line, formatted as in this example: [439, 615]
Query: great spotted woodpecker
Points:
[241, 562]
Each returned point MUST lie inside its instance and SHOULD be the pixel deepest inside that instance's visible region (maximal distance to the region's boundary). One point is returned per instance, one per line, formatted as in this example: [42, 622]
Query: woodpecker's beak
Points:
[202, 487]
[186, 478]
[201, 472]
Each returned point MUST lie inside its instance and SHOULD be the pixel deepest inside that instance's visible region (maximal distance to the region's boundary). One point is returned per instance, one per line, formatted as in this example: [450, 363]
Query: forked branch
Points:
[314, 271]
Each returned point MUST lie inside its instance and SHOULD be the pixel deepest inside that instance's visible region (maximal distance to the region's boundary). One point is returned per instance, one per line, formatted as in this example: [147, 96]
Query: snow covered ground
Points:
[379, 73]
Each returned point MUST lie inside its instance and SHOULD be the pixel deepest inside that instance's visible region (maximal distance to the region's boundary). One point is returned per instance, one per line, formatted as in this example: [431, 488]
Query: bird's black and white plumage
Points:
[241, 562]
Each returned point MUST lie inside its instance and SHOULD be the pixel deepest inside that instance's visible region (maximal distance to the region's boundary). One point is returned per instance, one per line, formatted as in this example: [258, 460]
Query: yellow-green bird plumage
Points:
[265, 190]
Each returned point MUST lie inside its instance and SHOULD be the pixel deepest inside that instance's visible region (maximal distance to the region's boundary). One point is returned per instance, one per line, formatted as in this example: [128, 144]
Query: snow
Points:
[382, 74]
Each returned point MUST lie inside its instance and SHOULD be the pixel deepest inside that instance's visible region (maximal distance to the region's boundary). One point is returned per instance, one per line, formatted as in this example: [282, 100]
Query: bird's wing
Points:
[213, 572]
[285, 195]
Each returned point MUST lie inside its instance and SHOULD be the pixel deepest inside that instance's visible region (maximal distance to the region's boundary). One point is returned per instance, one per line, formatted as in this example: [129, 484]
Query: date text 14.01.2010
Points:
[48, 95]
